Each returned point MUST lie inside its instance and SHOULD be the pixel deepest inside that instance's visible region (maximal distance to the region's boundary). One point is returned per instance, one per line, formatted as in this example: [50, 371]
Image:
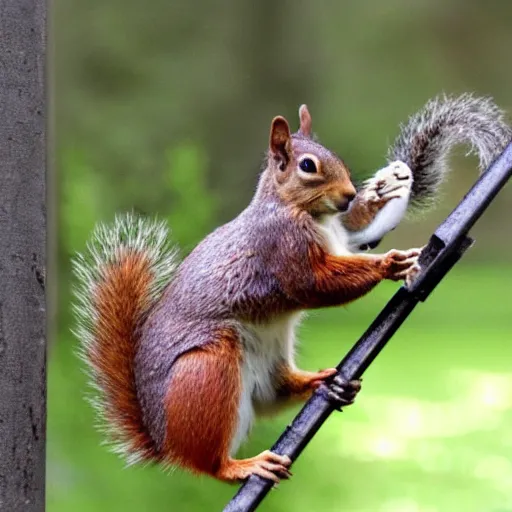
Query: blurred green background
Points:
[164, 107]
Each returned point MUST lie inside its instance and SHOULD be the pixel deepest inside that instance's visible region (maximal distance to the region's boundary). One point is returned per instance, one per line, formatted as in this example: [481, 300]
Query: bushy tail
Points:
[426, 139]
[121, 275]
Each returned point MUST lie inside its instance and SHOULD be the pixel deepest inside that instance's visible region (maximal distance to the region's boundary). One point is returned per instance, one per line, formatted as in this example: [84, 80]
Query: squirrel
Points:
[184, 355]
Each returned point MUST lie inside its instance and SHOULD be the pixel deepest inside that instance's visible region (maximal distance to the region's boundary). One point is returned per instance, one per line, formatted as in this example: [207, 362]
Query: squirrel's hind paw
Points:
[267, 464]
[342, 392]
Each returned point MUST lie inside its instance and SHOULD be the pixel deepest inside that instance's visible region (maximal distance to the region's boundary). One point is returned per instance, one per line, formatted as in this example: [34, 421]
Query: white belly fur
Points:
[335, 235]
[264, 345]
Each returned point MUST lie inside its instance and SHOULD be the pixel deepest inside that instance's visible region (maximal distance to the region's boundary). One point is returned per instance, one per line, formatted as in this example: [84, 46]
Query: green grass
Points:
[431, 430]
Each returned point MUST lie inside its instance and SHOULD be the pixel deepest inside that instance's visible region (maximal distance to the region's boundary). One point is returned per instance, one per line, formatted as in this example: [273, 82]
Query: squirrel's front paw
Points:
[399, 265]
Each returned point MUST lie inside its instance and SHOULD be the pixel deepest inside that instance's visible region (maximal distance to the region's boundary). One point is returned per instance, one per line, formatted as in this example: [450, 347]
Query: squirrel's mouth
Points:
[342, 205]
[338, 205]
[331, 206]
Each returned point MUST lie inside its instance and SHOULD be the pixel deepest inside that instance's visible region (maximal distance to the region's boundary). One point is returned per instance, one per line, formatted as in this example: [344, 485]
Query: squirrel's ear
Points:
[280, 140]
[305, 121]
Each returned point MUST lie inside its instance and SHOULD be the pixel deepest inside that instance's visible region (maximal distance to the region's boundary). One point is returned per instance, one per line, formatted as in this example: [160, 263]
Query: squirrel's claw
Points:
[342, 392]
[411, 274]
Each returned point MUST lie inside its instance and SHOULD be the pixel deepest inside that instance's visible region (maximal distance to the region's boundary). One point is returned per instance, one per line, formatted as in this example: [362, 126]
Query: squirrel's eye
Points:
[307, 165]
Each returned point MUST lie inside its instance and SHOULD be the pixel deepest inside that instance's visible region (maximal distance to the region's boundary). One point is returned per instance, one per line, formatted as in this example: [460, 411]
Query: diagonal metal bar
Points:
[444, 249]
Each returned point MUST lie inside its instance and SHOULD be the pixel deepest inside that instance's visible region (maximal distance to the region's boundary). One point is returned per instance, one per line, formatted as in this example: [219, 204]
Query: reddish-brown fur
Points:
[202, 404]
[297, 384]
[342, 279]
[121, 300]
[362, 213]
[337, 280]
[202, 411]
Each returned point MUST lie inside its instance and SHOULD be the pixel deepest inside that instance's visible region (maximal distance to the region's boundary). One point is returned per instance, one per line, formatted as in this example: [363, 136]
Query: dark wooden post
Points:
[22, 255]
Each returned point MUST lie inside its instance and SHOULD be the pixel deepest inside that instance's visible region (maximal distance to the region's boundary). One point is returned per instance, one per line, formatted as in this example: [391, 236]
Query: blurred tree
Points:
[272, 52]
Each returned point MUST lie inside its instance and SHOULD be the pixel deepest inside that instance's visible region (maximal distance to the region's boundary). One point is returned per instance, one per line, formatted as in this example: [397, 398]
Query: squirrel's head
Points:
[304, 173]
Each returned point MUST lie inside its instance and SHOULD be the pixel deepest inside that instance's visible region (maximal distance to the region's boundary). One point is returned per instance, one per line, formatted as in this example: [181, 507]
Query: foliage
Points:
[194, 208]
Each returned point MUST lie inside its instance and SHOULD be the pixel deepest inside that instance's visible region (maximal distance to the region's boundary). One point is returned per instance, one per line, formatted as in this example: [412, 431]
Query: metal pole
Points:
[445, 248]
[22, 255]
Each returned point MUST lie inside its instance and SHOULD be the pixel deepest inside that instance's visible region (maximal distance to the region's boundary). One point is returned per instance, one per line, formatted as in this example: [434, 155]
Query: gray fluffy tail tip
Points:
[425, 140]
[108, 243]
